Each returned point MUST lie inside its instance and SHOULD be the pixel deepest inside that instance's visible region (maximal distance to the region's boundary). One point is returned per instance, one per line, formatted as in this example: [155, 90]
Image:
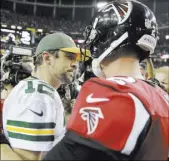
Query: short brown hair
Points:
[39, 59]
[126, 51]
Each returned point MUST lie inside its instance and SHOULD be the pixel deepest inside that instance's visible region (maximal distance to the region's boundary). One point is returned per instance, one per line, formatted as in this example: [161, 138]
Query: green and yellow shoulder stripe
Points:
[31, 131]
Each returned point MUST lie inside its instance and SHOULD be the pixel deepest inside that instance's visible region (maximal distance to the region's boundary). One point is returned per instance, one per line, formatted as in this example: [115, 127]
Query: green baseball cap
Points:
[61, 42]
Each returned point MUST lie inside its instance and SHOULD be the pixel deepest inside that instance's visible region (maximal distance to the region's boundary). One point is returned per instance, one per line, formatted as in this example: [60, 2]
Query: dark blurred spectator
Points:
[143, 69]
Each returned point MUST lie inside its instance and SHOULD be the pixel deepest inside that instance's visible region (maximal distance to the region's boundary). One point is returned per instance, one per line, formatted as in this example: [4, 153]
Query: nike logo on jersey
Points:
[91, 99]
[39, 114]
[91, 115]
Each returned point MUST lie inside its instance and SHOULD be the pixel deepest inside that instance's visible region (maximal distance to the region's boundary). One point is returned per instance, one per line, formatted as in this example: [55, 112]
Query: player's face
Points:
[63, 67]
[164, 80]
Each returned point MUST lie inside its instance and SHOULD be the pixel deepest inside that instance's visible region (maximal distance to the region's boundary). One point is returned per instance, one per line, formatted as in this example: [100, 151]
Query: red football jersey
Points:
[115, 112]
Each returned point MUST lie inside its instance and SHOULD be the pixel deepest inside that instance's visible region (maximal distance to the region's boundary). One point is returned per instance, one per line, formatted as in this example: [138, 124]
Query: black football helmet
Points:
[119, 24]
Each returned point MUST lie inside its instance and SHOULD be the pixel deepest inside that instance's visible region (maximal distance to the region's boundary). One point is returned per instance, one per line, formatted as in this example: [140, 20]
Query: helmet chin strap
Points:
[96, 62]
[96, 69]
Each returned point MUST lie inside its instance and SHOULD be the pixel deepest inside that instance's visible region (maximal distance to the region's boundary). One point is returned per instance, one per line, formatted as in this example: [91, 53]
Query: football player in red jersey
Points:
[118, 116]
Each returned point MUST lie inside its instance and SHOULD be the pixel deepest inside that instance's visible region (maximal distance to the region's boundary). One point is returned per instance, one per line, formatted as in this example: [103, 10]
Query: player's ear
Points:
[46, 57]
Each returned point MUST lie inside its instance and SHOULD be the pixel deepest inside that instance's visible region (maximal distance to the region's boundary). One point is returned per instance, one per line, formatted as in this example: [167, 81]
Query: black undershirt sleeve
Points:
[73, 147]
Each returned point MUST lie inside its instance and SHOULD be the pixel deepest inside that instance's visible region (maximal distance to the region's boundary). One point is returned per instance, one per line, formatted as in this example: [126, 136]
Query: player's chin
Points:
[69, 79]
[70, 75]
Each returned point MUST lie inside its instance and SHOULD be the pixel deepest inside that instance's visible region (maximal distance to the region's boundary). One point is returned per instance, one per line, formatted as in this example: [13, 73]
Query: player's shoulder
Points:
[118, 86]
[38, 83]
[33, 88]
[105, 91]
[114, 83]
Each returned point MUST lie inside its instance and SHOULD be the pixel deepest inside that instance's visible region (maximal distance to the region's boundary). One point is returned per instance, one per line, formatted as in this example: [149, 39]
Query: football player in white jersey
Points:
[33, 114]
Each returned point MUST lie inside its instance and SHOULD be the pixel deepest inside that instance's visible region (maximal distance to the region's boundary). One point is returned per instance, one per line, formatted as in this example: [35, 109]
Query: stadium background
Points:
[25, 22]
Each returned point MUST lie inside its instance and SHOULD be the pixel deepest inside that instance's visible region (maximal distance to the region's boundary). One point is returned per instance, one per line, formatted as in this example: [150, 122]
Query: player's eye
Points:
[70, 56]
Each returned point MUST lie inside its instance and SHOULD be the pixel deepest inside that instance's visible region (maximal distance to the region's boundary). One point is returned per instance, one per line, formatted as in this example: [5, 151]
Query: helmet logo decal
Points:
[91, 115]
[147, 23]
[121, 10]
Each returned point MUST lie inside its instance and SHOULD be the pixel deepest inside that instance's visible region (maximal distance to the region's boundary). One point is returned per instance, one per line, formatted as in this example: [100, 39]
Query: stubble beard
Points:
[65, 78]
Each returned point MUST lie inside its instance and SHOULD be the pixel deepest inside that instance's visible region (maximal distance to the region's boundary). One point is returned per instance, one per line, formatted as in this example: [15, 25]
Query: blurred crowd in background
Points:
[42, 22]
[54, 24]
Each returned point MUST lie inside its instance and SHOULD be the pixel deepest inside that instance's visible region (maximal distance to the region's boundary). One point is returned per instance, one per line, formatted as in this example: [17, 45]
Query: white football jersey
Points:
[33, 116]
